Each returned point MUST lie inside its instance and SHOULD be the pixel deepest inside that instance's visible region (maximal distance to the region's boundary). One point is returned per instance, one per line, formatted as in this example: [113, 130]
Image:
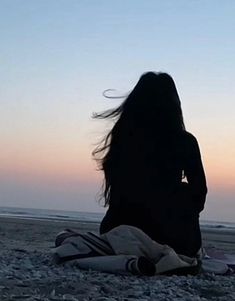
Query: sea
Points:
[79, 216]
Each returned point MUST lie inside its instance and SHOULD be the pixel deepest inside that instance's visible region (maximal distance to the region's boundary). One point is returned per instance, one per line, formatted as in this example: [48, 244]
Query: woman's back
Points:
[157, 168]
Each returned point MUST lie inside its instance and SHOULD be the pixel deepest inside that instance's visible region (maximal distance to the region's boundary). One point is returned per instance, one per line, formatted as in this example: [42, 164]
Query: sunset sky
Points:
[56, 59]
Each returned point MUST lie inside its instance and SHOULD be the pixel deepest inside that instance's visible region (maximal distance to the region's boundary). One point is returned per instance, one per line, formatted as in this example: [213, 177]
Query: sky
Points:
[58, 56]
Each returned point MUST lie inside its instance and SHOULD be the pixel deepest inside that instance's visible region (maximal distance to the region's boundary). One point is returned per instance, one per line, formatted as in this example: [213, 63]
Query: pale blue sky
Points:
[58, 56]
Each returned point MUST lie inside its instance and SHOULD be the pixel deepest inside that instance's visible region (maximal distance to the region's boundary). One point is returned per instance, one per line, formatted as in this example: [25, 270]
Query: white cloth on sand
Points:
[123, 244]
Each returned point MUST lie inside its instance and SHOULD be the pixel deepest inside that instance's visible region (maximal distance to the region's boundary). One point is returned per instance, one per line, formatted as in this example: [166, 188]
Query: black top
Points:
[150, 173]
[146, 185]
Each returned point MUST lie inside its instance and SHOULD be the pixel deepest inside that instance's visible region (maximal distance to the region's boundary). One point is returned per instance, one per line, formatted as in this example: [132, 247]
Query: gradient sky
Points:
[58, 56]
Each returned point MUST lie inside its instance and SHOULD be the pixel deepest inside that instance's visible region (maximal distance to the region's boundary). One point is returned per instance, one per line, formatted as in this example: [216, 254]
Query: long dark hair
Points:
[153, 107]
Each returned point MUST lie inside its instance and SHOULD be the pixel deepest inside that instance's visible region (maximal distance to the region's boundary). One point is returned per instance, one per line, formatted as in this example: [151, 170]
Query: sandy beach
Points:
[28, 273]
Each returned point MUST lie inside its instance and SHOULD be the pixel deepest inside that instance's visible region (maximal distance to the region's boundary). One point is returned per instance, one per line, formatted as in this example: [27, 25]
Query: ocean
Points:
[48, 214]
[95, 217]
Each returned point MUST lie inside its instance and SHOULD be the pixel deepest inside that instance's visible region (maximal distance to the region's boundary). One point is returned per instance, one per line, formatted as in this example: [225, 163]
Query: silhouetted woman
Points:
[153, 173]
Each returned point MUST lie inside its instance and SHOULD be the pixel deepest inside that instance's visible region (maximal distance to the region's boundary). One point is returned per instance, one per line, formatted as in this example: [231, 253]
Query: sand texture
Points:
[27, 271]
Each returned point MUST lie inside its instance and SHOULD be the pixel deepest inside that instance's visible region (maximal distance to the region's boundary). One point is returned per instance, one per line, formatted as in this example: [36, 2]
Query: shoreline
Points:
[221, 238]
[66, 215]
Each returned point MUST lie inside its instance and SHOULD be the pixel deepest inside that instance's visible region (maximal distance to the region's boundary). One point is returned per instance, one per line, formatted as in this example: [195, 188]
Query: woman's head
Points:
[155, 86]
[155, 102]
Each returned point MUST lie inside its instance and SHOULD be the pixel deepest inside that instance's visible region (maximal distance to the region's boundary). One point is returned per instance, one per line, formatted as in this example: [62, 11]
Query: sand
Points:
[27, 271]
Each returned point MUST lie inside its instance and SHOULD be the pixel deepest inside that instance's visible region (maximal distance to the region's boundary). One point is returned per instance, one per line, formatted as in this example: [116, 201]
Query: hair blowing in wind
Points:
[150, 113]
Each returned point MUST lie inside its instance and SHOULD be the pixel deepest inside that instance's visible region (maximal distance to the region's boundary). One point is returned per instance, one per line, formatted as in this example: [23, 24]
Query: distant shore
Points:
[28, 273]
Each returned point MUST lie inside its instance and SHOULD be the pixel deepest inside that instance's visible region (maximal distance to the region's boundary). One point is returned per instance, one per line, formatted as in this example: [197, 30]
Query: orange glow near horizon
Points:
[219, 166]
[57, 165]
[67, 168]
[65, 159]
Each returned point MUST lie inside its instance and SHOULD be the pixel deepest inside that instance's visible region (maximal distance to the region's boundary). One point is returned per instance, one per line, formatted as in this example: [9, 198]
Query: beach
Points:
[27, 271]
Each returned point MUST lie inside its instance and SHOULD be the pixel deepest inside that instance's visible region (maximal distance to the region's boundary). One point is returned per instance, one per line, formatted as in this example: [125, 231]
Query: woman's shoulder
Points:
[187, 142]
[190, 144]
[189, 137]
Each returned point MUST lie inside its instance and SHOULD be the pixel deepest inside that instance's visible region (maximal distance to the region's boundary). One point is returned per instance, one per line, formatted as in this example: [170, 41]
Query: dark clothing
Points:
[147, 190]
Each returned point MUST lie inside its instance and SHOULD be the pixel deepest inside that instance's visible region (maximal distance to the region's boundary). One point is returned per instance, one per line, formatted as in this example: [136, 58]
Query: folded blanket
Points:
[124, 249]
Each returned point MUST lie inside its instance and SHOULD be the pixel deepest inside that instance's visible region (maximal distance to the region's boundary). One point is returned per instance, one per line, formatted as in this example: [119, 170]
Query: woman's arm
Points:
[195, 174]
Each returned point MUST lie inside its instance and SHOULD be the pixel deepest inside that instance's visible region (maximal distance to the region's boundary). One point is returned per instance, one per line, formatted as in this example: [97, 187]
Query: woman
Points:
[153, 173]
